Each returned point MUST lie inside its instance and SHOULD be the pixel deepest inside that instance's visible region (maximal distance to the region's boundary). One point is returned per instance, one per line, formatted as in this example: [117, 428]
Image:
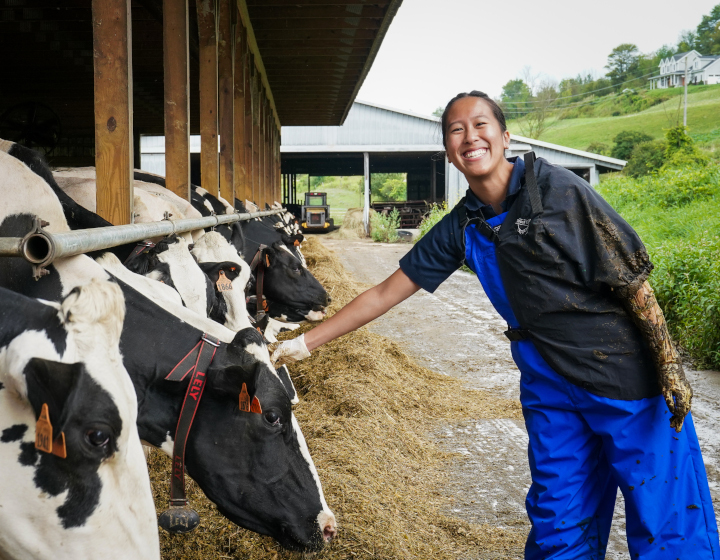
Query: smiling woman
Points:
[599, 373]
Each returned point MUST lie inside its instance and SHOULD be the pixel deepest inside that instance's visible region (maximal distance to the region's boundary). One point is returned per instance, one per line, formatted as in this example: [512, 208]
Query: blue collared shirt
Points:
[442, 250]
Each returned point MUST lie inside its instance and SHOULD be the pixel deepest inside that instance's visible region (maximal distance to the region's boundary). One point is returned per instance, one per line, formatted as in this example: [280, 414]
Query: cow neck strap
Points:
[259, 263]
[139, 248]
[531, 184]
[179, 518]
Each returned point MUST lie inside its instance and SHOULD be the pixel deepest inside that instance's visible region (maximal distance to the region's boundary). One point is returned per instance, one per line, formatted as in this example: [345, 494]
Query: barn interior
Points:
[233, 71]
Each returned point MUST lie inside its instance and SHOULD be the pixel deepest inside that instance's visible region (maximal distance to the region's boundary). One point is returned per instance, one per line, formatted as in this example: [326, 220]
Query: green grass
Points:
[703, 118]
[341, 191]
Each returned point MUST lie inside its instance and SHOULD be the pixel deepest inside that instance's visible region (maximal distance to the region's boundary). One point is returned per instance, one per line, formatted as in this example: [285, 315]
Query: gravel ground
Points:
[456, 331]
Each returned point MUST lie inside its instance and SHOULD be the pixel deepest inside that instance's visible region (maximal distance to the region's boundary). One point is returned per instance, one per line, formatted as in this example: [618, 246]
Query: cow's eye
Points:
[97, 438]
[272, 417]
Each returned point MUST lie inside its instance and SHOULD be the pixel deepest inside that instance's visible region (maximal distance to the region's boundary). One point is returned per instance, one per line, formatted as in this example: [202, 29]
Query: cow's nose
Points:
[328, 525]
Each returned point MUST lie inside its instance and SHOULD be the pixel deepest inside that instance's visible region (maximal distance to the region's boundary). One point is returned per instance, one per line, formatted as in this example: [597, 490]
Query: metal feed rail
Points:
[41, 248]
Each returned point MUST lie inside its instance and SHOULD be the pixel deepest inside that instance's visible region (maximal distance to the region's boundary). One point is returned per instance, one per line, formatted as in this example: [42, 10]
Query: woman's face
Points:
[475, 142]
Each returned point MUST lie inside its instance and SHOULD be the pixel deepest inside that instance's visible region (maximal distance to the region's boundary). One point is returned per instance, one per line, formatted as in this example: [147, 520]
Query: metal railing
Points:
[41, 248]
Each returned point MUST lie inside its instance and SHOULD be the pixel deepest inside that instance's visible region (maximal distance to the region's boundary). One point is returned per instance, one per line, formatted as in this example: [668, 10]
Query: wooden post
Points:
[256, 136]
[226, 94]
[207, 30]
[262, 146]
[177, 97]
[112, 54]
[248, 138]
[239, 110]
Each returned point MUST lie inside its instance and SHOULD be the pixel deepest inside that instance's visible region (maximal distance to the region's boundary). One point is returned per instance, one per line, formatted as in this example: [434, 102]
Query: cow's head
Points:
[86, 486]
[288, 282]
[283, 498]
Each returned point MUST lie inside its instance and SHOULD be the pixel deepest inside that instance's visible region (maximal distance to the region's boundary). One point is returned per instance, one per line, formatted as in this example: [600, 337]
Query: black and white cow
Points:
[287, 280]
[96, 500]
[255, 467]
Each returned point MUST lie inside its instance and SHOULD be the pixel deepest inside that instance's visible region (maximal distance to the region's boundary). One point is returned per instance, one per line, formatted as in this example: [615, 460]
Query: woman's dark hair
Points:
[497, 111]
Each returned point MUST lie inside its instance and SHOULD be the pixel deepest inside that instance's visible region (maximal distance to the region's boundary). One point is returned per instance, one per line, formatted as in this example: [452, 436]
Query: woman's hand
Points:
[677, 392]
[290, 351]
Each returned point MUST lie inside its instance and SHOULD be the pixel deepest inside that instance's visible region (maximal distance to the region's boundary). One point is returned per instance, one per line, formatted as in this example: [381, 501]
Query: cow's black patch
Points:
[2, 386]
[78, 405]
[149, 178]
[13, 433]
[19, 314]
[28, 454]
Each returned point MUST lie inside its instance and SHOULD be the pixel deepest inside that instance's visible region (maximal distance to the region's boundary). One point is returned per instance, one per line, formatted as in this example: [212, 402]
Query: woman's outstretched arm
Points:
[367, 306]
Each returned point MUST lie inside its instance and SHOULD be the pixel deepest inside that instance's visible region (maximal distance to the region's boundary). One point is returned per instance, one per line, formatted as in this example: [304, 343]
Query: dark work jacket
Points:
[565, 269]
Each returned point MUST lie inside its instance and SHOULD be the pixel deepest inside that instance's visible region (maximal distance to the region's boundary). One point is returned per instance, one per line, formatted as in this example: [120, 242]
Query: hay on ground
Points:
[366, 410]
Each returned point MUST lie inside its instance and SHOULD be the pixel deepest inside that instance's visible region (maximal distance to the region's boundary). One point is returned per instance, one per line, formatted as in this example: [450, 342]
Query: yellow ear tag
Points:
[44, 431]
[244, 399]
[223, 284]
[59, 446]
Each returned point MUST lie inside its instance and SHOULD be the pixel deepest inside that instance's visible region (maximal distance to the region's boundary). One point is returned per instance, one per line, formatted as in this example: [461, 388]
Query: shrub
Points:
[625, 141]
[599, 148]
[646, 157]
[384, 226]
[687, 282]
[437, 213]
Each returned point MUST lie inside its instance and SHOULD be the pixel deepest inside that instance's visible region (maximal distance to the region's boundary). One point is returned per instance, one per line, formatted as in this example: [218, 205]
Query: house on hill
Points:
[703, 69]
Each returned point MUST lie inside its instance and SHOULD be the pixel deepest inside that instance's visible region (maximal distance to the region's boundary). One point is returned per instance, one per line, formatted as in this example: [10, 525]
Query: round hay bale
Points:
[352, 226]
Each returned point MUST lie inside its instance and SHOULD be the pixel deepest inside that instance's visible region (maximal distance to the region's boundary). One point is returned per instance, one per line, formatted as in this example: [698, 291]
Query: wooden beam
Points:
[112, 40]
[261, 147]
[282, 24]
[208, 77]
[239, 110]
[256, 136]
[226, 98]
[299, 13]
[248, 137]
[280, 3]
[177, 97]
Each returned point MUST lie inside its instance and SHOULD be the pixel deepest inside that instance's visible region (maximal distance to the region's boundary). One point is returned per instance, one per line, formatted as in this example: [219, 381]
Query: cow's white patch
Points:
[326, 516]
[315, 316]
[168, 445]
[262, 355]
[214, 248]
[188, 278]
[140, 283]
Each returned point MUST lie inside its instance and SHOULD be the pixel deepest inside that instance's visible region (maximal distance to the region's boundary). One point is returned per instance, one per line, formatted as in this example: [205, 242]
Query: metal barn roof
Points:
[380, 130]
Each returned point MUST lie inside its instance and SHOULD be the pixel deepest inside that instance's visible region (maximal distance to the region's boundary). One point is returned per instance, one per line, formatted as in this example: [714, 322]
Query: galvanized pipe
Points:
[41, 248]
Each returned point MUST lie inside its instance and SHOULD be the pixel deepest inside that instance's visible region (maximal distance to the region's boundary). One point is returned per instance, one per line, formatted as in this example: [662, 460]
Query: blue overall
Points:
[583, 447]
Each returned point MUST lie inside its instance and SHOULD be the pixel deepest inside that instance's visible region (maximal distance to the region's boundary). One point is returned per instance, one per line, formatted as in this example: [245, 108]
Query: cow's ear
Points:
[211, 270]
[51, 383]
[269, 254]
[284, 375]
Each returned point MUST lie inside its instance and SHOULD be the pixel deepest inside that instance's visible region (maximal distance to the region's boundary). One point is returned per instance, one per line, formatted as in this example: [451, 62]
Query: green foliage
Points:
[388, 186]
[383, 227]
[681, 151]
[677, 214]
[708, 33]
[514, 97]
[645, 158]
[677, 140]
[438, 112]
[622, 62]
[625, 141]
[598, 148]
[437, 213]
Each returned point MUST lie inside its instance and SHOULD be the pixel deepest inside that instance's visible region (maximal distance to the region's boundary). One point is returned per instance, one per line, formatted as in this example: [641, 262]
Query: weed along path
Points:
[456, 331]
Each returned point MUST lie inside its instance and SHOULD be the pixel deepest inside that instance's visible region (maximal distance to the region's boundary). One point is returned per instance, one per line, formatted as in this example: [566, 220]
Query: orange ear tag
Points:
[223, 284]
[244, 399]
[44, 431]
[267, 261]
[59, 446]
[255, 406]
[296, 243]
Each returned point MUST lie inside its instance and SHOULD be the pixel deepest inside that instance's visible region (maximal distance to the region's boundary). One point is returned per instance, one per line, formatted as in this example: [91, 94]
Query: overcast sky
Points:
[437, 48]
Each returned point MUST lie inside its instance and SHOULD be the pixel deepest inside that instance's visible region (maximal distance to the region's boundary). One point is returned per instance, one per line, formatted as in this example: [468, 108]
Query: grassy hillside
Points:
[703, 119]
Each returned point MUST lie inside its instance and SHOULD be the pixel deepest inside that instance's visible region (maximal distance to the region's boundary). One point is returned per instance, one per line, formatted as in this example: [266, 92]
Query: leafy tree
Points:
[708, 33]
[687, 41]
[514, 97]
[622, 63]
[625, 141]
[438, 112]
[678, 140]
[388, 186]
[646, 157]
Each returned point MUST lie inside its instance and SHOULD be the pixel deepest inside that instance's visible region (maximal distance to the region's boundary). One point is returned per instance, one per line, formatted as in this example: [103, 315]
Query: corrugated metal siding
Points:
[367, 125]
